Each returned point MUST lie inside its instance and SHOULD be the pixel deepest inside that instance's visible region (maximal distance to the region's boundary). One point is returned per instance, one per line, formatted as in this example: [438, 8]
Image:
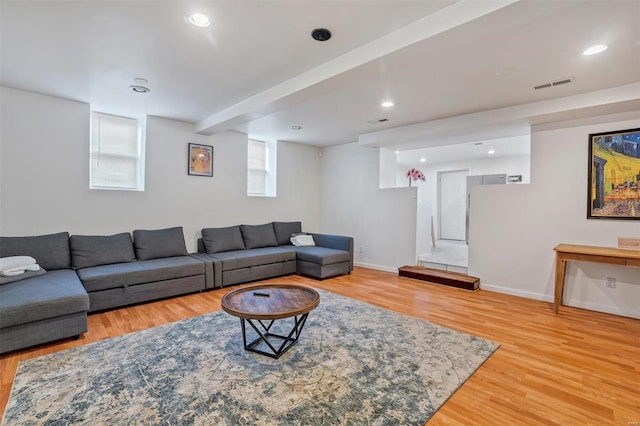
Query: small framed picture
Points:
[200, 160]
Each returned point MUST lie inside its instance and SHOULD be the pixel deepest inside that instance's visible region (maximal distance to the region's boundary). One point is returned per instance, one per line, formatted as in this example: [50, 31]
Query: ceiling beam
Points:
[503, 122]
[300, 87]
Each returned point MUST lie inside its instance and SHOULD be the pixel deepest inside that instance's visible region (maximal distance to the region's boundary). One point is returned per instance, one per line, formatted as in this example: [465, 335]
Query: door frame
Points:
[439, 173]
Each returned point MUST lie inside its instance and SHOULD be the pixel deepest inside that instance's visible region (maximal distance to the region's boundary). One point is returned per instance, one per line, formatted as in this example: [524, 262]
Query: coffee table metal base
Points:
[277, 343]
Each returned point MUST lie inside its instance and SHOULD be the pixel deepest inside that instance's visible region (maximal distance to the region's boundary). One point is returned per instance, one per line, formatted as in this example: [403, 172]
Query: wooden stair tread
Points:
[453, 279]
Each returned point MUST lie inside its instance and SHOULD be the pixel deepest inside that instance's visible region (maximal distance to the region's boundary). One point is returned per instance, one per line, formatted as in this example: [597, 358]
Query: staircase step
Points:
[452, 279]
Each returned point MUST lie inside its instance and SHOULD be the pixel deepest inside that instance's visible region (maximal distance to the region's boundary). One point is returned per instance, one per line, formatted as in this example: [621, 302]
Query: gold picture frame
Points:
[200, 160]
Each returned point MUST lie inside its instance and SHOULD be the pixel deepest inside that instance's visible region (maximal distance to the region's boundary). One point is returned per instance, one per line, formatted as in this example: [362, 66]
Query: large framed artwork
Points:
[200, 160]
[614, 175]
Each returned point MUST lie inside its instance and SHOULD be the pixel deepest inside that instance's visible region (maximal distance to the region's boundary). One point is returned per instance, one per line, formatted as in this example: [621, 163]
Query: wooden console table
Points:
[574, 253]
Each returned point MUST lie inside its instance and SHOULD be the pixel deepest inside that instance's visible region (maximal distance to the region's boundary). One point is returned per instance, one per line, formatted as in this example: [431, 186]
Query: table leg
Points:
[287, 341]
[559, 287]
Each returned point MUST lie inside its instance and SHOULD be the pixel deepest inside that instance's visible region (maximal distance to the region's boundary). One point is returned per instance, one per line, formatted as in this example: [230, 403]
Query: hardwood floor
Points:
[576, 368]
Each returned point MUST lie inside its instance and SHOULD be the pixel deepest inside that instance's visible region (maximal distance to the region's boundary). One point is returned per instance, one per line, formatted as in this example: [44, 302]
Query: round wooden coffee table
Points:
[261, 305]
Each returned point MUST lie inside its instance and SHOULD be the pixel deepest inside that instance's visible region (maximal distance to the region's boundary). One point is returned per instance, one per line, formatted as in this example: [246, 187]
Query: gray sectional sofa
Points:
[116, 271]
[252, 252]
[93, 273]
[90, 273]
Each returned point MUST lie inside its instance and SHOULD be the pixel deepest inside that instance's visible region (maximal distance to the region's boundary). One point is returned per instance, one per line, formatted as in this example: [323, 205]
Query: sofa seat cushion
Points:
[54, 294]
[321, 255]
[144, 271]
[260, 256]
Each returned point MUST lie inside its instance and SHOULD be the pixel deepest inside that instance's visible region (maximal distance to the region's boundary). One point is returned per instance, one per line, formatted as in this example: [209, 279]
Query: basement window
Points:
[116, 152]
[261, 169]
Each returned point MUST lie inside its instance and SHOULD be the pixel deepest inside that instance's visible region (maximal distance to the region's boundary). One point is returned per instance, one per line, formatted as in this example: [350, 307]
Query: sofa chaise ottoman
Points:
[43, 308]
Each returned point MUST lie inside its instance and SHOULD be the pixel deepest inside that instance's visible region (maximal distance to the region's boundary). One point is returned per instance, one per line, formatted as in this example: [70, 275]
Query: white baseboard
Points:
[506, 290]
[376, 267]
[604, 308]
[631, 313]
[425, 257]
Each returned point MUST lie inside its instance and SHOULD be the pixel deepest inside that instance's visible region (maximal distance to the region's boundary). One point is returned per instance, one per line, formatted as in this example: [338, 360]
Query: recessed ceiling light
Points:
[422, 160]
[491, 151]
[296, 127]
[387, 104]
[593, 50]
[199, 20]
[397, 152]
[139, 89]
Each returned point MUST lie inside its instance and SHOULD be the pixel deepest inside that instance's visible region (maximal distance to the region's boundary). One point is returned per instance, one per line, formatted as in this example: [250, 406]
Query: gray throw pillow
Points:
[50, 251]
[256, 236]
[222, 239]
[159, 243]
[95, 250]
[23, 276]
[284, 230]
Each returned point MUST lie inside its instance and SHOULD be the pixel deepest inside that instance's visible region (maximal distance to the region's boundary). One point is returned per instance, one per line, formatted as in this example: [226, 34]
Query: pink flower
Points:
[414, 174]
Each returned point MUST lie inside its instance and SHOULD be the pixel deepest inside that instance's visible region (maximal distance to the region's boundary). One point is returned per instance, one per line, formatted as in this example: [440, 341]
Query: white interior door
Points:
[452, 190]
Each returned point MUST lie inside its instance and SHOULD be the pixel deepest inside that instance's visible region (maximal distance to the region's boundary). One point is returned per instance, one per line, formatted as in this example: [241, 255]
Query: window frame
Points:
[268, 171]
[139, 157]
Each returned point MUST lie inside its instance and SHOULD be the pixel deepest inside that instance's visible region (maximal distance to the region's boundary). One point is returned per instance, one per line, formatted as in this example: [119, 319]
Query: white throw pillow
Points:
[302, 240]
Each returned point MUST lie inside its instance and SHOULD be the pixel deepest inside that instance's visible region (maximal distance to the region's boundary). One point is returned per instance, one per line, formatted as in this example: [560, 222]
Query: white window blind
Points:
[115, 152]
[256, 168]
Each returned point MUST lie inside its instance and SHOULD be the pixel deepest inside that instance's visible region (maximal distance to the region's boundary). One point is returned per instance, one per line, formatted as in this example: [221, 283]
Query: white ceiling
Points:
[453, 68]
[515, 146]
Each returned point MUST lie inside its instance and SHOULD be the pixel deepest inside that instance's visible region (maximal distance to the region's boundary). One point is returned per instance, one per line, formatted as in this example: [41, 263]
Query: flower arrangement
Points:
[415, 174]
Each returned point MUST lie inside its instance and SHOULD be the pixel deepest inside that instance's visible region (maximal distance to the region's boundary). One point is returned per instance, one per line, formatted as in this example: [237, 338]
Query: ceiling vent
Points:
[553, 84]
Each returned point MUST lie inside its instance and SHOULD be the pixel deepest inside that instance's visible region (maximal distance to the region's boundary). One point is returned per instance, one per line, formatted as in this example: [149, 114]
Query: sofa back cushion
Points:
[256, 236]
[159, 243]
[50, 251]
[284, 230]
[222, 239]
[95, 250]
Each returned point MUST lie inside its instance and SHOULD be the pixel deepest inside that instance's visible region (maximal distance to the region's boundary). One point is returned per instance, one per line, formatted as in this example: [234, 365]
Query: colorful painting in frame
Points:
[614, 175]
[200, 160]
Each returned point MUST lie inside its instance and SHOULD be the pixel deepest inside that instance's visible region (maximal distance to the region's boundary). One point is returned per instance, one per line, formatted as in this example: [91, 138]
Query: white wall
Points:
[382, 221]
[428, 191]
[514, 228]
[388, 168]
[45, 177]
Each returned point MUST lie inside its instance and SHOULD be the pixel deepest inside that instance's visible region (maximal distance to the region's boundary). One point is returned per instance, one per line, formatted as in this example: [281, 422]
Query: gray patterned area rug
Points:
[354, 364]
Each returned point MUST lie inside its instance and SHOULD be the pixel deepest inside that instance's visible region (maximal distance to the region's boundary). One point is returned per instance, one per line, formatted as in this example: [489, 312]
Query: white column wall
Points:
[45, 177]
[428, 191]
[387, 168]
[382, 221]
[514, 228]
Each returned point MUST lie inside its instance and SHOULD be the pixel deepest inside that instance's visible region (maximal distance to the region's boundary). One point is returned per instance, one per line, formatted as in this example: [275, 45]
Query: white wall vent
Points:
[553, 83]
